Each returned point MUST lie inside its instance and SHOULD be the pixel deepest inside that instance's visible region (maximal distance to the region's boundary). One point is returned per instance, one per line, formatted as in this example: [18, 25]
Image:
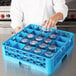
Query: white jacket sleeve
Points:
[60, 6]
[16, 14]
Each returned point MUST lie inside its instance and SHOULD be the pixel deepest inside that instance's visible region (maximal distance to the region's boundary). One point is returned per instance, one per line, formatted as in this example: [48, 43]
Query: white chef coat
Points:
[25, 12]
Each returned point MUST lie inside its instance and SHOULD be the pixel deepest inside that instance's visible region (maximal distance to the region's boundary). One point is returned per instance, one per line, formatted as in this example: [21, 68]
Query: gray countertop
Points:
[67, 68]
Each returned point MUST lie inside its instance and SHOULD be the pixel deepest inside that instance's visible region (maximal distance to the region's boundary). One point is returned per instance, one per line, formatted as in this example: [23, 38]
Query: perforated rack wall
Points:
[41, 50]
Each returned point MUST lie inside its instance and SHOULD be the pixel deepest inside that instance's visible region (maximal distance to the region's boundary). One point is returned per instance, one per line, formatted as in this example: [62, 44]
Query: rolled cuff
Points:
[64, 11]
[16, 24]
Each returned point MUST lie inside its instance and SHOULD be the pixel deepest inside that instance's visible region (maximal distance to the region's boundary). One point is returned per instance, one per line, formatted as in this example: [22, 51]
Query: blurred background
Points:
[69, 24]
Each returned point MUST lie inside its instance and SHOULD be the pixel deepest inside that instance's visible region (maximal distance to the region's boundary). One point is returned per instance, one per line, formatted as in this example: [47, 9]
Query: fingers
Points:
[43, 24]
[53, 23]
[46, 23]
[50, 23]
[17, 29]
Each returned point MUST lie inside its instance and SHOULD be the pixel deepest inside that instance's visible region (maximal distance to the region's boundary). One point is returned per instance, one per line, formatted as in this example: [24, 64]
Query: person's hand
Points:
[17, 29]
[52, 21]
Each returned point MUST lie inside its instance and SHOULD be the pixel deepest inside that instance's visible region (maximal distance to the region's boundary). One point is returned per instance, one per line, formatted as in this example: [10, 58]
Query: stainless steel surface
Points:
[5, 24]
[6, 31]
[71, 4]
[5, 13]
[5, 2]
[7, 68]
[5, 20]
